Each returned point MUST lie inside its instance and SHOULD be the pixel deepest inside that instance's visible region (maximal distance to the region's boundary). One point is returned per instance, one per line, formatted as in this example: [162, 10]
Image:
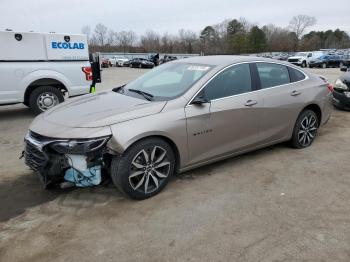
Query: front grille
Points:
[293, 60]
[34, 158]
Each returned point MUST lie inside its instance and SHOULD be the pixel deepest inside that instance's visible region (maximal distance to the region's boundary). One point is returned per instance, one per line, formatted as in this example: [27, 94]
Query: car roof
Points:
[224, 60]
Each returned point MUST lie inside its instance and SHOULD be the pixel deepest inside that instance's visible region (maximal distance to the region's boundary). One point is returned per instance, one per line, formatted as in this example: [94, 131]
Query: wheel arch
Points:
[315, 108]
[43, 82]
[166, 139]
[43, 76]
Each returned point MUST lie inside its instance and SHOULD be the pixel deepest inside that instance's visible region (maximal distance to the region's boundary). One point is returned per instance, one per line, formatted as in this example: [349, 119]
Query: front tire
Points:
[144, 169]
[304, 64]
[305, 129]
[43, 98]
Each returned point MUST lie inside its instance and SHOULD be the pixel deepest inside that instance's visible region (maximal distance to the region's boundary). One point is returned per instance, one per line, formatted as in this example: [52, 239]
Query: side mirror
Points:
[344, 69]
[200, 100]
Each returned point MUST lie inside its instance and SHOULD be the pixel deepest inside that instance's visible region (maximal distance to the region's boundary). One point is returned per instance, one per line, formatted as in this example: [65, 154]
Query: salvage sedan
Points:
[341, 93]
[181, 115]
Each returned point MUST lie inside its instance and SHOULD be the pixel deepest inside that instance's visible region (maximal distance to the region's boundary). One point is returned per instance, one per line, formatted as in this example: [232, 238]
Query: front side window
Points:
[169, 80]
[232, 81]
[272, 74]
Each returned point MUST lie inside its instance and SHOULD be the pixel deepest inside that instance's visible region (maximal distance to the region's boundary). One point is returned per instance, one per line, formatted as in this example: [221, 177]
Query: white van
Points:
[39, 69]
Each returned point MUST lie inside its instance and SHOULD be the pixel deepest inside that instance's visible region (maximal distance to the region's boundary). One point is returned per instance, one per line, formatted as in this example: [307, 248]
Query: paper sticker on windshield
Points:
[198, 68]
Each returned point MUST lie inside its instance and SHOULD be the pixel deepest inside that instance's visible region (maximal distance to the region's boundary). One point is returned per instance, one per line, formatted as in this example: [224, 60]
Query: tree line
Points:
[236, 36]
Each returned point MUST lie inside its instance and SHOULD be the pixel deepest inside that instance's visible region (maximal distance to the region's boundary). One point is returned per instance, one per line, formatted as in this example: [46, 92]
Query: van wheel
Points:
[304, 64]
[305, 129]
[43, 98]
[144, 169]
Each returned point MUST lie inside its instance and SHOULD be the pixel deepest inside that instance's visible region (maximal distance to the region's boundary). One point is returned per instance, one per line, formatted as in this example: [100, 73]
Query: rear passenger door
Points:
[281, 98]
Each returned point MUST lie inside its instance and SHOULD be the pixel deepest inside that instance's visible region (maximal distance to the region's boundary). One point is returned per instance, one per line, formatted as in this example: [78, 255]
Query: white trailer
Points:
[38, 69]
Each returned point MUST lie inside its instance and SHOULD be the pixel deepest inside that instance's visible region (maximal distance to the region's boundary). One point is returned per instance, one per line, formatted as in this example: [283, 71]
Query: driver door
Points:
[228, 119]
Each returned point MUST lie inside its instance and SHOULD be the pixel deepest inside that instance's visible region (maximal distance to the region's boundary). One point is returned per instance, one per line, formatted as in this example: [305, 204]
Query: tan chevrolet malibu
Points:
[179, 116]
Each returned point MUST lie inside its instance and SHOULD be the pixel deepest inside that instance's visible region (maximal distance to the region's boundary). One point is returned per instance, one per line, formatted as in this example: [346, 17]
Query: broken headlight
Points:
[339, 84]
[79, 146]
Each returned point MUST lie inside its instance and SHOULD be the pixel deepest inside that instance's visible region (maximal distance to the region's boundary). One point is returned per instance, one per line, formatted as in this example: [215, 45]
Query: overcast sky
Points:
[69, 16]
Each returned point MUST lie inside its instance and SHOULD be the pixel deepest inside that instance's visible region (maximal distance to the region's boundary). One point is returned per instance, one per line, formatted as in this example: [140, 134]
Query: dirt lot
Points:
[276, 204]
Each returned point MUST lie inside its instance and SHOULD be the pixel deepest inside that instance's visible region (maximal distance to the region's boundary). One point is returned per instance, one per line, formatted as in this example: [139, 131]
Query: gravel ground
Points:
[275, 204]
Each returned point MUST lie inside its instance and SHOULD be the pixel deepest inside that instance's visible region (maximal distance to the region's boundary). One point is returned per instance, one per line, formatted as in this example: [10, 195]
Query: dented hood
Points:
[101, 109]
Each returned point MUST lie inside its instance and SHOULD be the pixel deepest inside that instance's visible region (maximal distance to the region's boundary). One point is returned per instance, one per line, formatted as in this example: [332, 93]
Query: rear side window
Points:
[295, 75]
[272, 74]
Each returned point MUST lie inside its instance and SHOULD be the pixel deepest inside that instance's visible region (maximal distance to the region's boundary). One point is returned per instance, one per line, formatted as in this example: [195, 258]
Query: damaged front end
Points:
[66, 162]
[341, 94]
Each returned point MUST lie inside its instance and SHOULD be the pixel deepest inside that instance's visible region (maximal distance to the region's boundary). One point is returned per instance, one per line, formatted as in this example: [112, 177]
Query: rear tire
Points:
[144, 169]
[43, 98]
[305, 129]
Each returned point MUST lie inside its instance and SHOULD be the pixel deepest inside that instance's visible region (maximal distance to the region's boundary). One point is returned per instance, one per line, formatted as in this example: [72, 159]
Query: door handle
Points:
[295, 93]
[250, 102]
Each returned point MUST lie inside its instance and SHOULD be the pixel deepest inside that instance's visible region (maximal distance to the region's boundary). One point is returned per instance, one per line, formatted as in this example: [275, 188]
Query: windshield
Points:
[301, 54]
[169, 80]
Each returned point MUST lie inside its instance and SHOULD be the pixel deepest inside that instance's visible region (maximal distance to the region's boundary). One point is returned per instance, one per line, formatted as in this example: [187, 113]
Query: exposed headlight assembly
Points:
[340, 85]
[79, 146]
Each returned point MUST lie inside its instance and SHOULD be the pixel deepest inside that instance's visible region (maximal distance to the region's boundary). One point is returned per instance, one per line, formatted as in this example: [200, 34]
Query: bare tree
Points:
[299, 23]
[126, 39]
[86, 30]
[150, 41]
[112, 38]
[188, 38]
[101, 33]
[167, 42]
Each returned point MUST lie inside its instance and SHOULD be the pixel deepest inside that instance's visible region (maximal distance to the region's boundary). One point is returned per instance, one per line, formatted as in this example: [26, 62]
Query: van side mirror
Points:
[200, 100]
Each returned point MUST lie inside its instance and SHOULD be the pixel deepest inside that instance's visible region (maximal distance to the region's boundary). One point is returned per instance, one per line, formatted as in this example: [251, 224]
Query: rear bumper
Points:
[79, 90]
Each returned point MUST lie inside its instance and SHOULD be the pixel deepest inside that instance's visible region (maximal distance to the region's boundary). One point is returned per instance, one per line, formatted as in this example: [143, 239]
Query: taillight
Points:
[330, 88]
[88, 72]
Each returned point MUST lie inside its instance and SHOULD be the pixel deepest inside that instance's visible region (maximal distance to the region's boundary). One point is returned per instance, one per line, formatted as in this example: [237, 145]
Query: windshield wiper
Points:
[146, 95]
[119, 88]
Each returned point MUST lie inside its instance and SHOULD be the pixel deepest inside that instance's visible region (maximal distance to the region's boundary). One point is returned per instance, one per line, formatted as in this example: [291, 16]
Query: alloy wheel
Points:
[308, 130]
[149, 169]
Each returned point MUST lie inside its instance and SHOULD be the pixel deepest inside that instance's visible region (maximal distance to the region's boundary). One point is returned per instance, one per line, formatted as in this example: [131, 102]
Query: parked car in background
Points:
[341, 93]
[168, 58]
[118, 61]
[282, 57]
[345, 63]
[302, 58]
[182, 115]
[141, 63]
[325, 61]
[154, 59]
[105, 63]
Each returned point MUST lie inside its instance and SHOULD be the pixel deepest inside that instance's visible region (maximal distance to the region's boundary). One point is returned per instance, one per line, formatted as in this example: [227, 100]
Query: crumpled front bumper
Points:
[48, 167]
[341, 100]
[55, 168]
